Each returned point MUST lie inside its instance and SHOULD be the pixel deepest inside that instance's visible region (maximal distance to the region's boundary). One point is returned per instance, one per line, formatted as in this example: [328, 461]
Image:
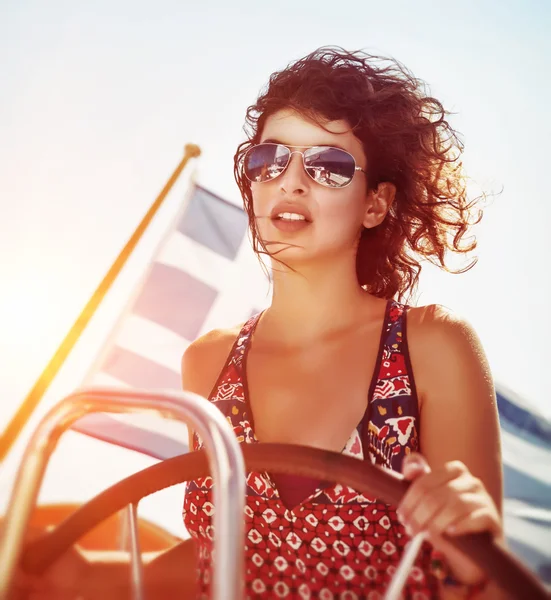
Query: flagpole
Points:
[43, 382]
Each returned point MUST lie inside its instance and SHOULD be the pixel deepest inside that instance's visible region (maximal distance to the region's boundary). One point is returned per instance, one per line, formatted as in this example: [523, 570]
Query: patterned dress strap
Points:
[393, 406]
[242, 341]
[228, 393]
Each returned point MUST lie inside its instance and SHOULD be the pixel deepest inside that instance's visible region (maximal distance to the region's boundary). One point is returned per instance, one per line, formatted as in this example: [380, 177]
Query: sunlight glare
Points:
[35, 313]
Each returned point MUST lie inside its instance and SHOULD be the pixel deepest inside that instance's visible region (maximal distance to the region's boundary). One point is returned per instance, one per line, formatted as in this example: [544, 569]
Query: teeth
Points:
[291, 216]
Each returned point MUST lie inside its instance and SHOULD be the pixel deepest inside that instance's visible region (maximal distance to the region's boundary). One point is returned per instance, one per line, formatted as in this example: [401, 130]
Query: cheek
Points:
[261, 197]
[345, 208]
[261, 207]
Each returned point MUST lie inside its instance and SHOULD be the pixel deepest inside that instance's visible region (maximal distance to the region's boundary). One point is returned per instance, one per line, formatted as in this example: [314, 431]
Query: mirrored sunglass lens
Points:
[331, 167]
[265, 161]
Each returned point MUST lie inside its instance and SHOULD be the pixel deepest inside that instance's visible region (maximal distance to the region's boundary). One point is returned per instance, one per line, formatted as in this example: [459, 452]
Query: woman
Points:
[350, 176]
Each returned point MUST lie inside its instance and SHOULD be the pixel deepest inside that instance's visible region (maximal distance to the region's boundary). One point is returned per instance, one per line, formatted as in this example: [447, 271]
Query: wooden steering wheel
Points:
[500, 564]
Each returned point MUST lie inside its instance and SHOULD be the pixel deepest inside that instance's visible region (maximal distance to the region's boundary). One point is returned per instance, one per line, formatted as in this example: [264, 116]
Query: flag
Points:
[526, 454]
[204, 275]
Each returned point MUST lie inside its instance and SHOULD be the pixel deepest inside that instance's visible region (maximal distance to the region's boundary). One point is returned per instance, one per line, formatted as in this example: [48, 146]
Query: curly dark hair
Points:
[407, 141]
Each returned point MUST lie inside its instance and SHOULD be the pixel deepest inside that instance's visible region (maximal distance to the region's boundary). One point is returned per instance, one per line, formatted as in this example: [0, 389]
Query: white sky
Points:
[98, 99]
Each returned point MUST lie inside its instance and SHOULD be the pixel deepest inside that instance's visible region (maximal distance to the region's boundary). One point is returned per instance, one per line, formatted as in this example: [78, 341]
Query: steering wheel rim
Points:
[500, 564]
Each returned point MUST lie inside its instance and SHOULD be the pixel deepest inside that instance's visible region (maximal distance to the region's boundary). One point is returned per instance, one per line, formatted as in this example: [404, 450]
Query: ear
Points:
[378, 204]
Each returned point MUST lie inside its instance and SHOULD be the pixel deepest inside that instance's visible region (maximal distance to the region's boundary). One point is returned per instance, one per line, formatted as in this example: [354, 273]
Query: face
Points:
[334, 216]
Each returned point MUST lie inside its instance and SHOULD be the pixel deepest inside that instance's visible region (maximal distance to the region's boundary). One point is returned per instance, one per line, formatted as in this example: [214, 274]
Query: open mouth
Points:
[289, 222]
[289, 216]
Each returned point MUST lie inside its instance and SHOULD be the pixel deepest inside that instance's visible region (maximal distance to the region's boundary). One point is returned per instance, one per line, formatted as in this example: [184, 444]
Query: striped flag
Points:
[526, 452]
[204, 276]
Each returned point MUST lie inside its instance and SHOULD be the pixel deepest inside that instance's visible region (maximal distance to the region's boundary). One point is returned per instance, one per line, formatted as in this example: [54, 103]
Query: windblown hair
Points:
[407, 141]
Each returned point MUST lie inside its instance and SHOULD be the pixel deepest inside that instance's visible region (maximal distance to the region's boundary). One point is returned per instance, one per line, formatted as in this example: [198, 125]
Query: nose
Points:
[295, 180]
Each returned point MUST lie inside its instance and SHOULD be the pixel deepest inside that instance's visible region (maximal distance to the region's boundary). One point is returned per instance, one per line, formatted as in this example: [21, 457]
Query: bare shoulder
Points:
[205, 357]
[433, 315]
[434, 325]
[442, 344]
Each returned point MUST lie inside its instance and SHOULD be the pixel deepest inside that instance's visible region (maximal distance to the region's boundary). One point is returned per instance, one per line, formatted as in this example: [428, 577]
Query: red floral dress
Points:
[336, 543]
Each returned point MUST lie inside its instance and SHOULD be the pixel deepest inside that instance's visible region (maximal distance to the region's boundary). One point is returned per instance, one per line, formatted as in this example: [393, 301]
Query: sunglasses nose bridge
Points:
[291, 152]
[302, 163]
[295, 177]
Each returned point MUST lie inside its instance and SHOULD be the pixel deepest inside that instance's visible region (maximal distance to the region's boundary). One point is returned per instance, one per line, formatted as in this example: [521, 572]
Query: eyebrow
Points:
[276, 141]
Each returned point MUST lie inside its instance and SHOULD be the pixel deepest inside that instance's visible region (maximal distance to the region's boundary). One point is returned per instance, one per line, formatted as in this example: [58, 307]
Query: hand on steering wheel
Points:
[447, 502]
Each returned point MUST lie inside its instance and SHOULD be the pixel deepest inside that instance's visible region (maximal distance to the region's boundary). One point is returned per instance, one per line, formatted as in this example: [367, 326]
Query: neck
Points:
[316, 300]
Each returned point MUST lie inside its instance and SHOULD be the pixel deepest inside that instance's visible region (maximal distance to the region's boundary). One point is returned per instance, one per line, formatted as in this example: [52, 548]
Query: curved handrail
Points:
[225, 459]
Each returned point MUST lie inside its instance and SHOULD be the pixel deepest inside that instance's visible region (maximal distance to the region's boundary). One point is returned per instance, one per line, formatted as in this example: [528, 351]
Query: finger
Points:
[423, 487]
[443, 505]
[418, 520]
[414, 465]
[476, 521]
[458, 510]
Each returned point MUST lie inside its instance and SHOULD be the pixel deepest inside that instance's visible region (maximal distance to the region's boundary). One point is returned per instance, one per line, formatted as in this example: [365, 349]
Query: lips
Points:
[290, 207]
[290, 226]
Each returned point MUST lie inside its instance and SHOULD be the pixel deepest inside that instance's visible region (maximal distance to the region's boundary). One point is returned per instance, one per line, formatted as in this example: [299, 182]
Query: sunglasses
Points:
[328, 166]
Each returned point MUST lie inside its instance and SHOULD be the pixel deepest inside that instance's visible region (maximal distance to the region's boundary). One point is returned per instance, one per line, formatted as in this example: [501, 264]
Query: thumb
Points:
[414, 465]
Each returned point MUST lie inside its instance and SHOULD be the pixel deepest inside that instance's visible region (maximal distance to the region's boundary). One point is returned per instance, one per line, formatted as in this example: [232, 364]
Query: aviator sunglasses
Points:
[328, 166]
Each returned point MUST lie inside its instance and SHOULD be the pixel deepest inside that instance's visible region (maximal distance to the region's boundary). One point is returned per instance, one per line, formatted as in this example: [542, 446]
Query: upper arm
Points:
[458, 418]
[202, 362]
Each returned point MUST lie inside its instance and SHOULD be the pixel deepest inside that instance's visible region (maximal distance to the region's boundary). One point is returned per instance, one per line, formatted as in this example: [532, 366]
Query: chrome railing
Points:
[225, 459]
